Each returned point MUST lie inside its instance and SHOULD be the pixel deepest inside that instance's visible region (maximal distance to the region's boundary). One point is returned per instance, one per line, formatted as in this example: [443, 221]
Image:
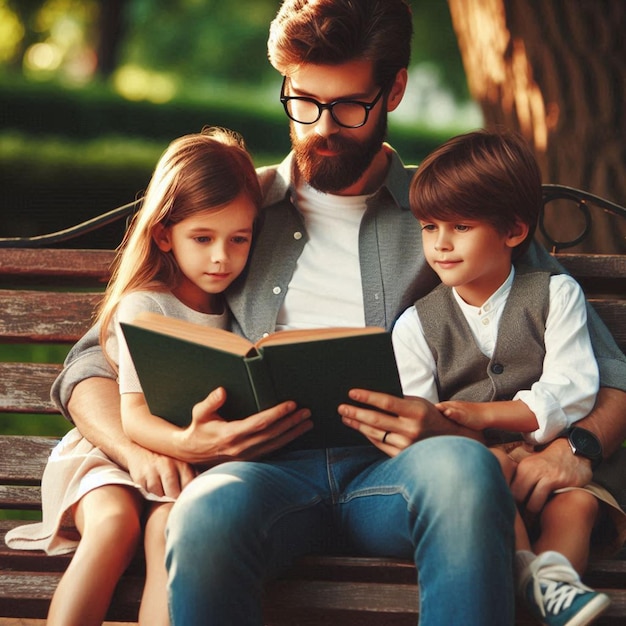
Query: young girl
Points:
[188, 242]
[504, 350]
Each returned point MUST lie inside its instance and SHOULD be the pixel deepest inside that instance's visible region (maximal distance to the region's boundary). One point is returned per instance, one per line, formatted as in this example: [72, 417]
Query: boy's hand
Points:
[393, 424]
[466, 414]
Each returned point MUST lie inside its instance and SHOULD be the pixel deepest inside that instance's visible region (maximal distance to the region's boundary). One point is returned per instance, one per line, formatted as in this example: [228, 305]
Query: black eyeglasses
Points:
[346, 113]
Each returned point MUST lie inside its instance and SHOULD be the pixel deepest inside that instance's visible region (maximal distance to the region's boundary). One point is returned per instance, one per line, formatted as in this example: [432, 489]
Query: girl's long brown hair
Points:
[196, 173]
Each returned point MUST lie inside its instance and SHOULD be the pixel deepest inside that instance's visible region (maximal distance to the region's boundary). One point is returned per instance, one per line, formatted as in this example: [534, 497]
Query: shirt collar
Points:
[496, 300]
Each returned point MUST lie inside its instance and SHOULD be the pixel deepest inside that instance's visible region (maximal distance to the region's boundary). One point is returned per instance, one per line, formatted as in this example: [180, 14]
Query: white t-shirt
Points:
[326, 289]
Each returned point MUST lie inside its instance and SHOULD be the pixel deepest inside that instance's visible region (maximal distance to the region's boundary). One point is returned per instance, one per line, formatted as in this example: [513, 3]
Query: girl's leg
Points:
[154, 609]
[566, 524]
[108, 519]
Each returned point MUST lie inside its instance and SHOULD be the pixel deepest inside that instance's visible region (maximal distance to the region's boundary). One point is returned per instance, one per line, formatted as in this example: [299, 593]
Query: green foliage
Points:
[67, 155]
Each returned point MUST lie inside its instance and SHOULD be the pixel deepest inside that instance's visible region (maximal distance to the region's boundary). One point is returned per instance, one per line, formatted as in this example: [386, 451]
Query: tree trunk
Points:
[555, 71]
[111, 31]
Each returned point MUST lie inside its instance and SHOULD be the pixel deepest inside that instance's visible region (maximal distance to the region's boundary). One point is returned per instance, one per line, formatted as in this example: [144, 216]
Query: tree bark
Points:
[554, 70]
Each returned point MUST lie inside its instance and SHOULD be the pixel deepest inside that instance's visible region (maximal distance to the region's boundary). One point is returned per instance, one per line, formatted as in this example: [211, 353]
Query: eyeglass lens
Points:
[308, 111]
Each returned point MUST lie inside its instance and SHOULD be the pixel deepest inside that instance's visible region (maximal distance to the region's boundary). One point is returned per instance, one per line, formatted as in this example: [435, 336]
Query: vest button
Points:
[497, 368]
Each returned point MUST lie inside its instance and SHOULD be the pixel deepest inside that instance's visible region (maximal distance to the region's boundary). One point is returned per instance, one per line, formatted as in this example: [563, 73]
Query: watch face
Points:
[585, 443]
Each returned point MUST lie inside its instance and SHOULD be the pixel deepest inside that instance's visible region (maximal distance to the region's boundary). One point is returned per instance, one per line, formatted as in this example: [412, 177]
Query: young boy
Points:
[502, 349]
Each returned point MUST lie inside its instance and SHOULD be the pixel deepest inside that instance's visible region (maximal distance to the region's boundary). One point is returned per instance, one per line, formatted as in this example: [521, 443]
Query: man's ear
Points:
[161, 236]
[517, 234]
[396, 93]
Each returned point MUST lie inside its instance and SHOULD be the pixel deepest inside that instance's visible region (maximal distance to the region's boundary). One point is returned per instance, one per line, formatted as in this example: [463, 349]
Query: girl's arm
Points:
[209, 439]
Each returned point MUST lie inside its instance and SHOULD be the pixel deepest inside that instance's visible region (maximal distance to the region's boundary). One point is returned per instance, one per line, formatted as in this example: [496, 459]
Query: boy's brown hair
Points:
[491, 176]
[331, 32]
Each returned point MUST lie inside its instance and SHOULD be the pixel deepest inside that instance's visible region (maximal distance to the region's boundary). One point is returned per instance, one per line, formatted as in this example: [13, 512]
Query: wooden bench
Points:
[47, 296]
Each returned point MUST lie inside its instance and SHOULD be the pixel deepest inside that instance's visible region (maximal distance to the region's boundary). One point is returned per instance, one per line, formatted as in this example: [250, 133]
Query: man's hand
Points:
[540, 473]
[392, 424]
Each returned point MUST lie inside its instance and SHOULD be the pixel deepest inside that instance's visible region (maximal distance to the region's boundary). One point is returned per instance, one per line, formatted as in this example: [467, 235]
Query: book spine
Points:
[261, 382]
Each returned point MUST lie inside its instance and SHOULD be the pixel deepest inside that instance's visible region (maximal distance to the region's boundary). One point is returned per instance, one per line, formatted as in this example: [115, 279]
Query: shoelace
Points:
[555, 588]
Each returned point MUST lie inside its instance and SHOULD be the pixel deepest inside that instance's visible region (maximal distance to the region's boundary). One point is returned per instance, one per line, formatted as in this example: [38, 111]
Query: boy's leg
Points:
[508, 465]
[550, 583]
[444, 503]
[108, 519]
[154, 610]
[566, 524]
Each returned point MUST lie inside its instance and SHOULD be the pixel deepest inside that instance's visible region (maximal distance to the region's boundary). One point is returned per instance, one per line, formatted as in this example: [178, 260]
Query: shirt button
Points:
[487, 308]
[485, 321]
[276, 290]
[497, 368]
[297, 235]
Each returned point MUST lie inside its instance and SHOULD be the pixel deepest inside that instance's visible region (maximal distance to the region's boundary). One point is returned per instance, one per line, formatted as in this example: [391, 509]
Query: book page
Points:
[195, 333]
[315, 334]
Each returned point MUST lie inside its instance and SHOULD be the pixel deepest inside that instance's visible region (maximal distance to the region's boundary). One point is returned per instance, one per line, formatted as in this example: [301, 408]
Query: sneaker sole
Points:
[590, 611]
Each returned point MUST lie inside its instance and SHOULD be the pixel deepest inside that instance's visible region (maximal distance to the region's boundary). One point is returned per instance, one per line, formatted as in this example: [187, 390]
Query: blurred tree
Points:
[26, 11]
[555, 71]
[111, 31]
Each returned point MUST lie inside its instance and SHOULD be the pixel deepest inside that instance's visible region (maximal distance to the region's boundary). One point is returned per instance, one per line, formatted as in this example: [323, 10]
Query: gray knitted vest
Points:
[463, 371]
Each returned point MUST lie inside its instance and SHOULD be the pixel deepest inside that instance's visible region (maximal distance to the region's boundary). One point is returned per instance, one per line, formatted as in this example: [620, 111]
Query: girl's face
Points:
[211, 249]
[469, 255]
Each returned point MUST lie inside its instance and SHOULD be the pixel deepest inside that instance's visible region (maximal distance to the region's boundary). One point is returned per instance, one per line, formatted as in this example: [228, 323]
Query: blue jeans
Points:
[442, 502]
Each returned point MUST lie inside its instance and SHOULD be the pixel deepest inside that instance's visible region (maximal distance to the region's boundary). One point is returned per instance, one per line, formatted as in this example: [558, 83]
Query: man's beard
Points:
[333, 174]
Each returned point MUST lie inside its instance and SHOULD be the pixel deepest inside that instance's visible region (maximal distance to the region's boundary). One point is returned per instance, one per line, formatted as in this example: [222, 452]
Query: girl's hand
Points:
[210, 439]
[393, 424]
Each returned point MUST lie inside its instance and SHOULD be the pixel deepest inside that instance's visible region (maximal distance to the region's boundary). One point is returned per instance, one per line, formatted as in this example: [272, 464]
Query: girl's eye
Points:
[241, 239]
[203, 239]
[462, 228]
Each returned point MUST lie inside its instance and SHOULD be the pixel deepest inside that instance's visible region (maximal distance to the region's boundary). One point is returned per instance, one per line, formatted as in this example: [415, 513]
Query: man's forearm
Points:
[95, 409]
[608, 419]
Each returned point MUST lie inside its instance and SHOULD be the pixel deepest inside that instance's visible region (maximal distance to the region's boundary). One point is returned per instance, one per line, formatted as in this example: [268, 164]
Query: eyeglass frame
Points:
[368, 106]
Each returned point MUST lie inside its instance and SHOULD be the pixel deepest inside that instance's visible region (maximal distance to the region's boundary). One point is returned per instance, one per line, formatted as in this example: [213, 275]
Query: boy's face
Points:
[469, 255]
[211, 249]
[331, 157]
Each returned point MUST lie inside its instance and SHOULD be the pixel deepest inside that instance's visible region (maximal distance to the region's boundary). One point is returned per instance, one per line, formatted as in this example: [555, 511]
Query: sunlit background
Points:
[91, 92]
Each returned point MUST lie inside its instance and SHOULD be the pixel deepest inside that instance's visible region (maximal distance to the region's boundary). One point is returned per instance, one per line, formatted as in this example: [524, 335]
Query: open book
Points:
[179, 363]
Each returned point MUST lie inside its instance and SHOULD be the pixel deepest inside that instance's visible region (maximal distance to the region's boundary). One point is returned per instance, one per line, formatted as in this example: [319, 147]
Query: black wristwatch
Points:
[584, 443]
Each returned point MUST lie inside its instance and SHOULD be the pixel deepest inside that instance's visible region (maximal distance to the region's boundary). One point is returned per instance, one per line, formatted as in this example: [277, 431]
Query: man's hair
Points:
[491, 176]
[331, 32]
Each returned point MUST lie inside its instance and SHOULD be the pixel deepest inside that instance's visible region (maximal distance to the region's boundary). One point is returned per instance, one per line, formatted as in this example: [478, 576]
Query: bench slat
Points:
[76, 264]
[594, 265]
[20, 498]
[25, 387]
[22, 458]
[45, 316]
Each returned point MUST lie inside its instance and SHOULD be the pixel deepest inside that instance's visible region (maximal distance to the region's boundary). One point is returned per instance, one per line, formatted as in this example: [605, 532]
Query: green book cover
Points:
[179, 363]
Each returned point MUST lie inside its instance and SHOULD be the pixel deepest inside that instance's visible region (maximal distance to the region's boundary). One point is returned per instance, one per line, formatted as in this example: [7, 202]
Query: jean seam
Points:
[288, 511]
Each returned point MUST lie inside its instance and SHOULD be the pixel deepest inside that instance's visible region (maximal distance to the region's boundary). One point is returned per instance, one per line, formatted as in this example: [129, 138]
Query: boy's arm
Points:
[556, 466]
[513, 415]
